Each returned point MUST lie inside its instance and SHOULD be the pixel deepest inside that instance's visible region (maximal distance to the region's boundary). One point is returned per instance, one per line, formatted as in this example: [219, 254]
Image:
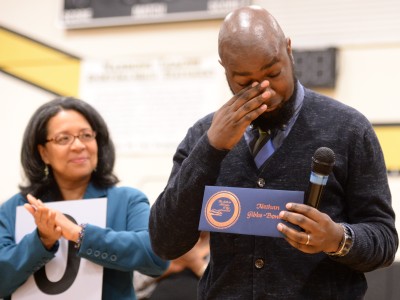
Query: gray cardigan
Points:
[357, 193]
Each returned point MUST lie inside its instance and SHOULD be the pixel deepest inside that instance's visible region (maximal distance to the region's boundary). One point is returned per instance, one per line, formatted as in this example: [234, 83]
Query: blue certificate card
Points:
[245, 210]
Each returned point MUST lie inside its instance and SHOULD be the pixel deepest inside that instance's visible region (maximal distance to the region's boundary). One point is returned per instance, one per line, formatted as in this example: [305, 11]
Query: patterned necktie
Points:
[263, 138]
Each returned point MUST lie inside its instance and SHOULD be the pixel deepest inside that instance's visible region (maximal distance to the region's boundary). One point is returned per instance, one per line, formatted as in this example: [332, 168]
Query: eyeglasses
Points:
[65, 139]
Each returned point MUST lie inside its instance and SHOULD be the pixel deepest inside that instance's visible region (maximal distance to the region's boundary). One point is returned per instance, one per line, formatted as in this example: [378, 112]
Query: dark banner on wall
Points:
[104, 13]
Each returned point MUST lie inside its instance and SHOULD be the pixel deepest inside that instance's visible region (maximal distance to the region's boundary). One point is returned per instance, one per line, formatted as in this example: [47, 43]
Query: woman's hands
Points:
[51, 224]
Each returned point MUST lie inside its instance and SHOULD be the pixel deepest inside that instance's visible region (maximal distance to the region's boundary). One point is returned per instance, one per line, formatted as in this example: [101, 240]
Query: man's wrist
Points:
[345, 244]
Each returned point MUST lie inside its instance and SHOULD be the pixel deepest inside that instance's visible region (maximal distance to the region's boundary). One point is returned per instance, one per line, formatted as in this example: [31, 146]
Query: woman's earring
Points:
[46, 171]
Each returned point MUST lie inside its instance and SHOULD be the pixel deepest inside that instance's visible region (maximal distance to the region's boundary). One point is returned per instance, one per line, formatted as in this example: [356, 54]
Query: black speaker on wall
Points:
[316, 68]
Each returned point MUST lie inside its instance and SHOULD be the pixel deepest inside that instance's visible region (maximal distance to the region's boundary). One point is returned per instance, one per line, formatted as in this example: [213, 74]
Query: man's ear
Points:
[289, 49]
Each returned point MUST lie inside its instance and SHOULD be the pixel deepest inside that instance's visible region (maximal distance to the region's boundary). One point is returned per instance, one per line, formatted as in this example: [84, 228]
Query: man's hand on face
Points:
[232, 119]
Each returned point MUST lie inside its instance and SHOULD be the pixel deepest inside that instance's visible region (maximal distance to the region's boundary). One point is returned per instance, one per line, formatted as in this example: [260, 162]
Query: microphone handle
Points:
[315, 189]
[313, 194]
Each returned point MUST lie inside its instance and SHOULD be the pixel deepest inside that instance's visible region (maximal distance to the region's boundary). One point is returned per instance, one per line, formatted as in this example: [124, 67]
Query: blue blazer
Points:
[122, 247]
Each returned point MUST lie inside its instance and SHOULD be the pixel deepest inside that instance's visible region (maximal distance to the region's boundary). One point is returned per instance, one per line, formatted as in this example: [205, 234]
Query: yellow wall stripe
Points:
[39, 64]
[389, 137]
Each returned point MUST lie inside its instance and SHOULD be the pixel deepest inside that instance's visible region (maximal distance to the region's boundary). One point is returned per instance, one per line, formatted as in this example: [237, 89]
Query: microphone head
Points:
[323, 161]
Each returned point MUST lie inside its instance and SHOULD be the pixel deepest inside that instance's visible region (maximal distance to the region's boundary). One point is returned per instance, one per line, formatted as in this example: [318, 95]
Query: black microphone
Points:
[321, 165]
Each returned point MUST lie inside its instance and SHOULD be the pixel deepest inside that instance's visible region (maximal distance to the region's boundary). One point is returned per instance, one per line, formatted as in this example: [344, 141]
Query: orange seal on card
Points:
[222, 209]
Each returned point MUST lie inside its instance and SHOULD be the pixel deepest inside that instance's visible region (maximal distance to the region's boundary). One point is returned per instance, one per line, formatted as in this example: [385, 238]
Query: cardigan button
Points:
[259, 263]
[261, 182]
